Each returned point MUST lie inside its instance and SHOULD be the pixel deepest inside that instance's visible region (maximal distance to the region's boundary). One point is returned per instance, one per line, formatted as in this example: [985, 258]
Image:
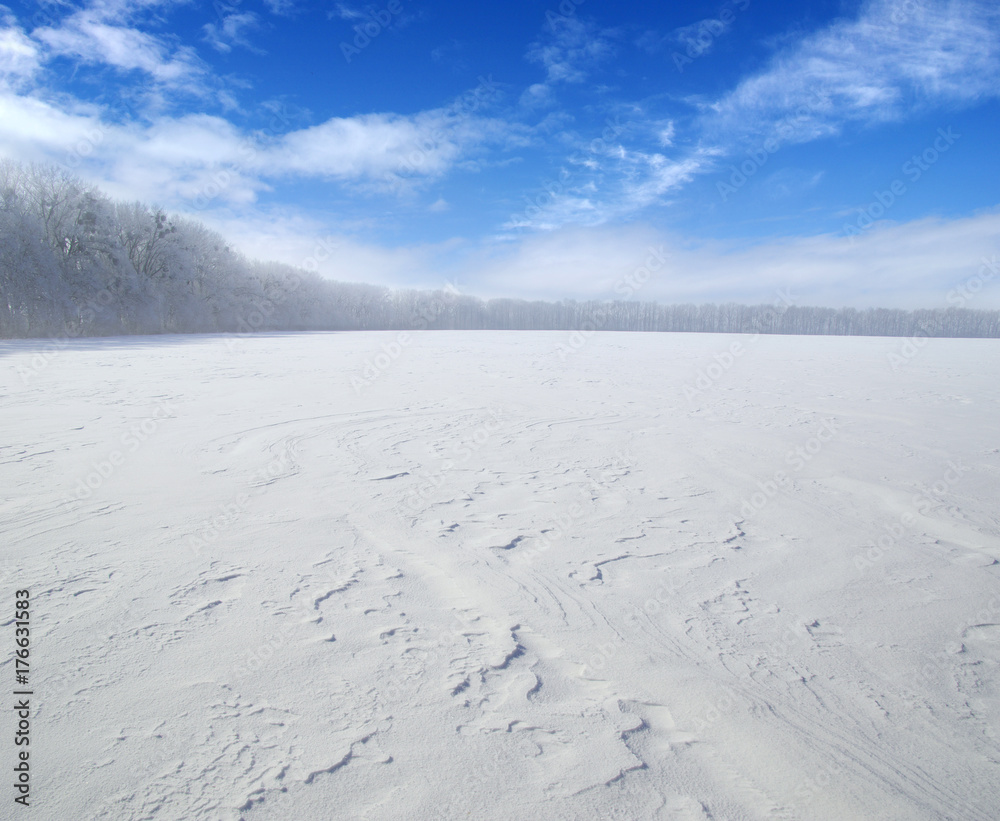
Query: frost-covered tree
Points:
[74, 262]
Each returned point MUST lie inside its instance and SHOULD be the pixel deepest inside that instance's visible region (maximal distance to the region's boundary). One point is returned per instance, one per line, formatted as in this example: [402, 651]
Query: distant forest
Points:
[74, 262]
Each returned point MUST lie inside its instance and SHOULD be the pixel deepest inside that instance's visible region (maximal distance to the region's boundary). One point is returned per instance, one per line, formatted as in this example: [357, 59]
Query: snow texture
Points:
[495, 581]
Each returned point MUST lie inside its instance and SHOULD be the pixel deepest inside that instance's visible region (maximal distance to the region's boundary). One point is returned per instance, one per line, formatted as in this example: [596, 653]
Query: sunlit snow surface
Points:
[513, 576]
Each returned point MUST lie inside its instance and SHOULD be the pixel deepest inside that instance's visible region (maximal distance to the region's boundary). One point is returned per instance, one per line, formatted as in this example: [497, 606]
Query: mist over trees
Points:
[74, 262]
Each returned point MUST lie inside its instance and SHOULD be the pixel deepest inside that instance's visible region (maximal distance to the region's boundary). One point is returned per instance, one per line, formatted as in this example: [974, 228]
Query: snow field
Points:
[499, 583]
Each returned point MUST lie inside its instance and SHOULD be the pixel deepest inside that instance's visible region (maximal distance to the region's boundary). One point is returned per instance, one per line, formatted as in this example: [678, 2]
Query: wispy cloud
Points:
[649, 177]
[280, 7]
[87, 36]
[695, 39]
[612, 185]
[790, 182]
[894, 60]
[897, 58]
[698, 38]
[232, 31]
[537, 95]
[665, 132]
[570, 49]
[346, 12]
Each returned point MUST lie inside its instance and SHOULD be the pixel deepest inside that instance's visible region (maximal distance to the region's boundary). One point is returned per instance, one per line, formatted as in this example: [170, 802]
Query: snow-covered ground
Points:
[505, 576]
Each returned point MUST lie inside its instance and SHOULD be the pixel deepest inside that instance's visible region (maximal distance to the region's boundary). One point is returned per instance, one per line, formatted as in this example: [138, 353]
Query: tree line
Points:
[74, 262]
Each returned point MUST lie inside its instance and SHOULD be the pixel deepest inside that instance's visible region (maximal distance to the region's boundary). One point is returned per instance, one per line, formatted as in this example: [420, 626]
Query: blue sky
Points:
[836, 153]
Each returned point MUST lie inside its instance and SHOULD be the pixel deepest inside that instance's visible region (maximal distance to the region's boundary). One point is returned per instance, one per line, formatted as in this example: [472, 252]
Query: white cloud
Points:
[790, 182]
[292, 238]
[573, 262]
[896, 58]
[232, 31]
[345, 12]
[280, 7]
[32, 130]
[655, 176]
[86, 36]
[195, 160]
[667, 133]
[570, 50]
[697, 39]
[19, 57]
[173, 161]
[651, 41]
[913, 265]
[384, 149]
[202, 161]
[537, 95]
[909, 265]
